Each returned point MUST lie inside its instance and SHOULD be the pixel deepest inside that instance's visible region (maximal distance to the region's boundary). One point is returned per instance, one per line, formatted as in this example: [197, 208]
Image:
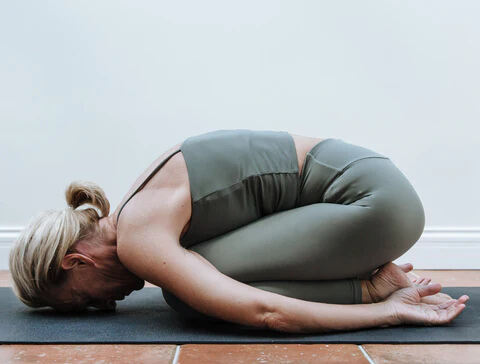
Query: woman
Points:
[260, 228]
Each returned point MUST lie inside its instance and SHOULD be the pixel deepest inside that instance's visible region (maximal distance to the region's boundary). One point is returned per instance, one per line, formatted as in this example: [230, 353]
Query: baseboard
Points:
[7, 237]
[437, 248]
[445, 248]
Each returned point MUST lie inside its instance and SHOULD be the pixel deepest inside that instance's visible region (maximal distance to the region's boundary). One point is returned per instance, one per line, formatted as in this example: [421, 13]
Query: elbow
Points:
[270, 317]
[297, 325]
[274, 321]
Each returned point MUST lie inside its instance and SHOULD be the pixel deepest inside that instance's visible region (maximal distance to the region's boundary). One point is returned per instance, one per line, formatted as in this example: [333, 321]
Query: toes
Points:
[424, 281]
[412, 277]
[407, 267]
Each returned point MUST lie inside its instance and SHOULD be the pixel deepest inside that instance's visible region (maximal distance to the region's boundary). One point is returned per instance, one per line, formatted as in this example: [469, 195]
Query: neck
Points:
[109, 230]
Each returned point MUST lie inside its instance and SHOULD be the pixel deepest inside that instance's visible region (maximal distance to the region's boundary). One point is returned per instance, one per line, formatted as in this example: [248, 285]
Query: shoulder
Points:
[165, 211]
[163, 204]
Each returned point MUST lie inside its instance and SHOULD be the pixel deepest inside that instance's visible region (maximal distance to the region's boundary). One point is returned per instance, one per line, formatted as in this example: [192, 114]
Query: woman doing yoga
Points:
[260, 228]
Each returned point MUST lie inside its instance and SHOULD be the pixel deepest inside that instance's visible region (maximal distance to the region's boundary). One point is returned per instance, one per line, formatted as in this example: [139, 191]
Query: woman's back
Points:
[223, 179]
[236, 177]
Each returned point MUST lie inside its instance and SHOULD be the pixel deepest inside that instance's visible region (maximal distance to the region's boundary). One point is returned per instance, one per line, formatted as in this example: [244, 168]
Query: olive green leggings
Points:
[356, 212]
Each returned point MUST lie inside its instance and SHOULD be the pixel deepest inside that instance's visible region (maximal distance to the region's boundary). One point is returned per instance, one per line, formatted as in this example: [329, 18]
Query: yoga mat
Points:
[145, 317]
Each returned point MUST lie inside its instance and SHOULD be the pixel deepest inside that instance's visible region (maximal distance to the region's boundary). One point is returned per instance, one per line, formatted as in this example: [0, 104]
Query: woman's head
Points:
[68, 259]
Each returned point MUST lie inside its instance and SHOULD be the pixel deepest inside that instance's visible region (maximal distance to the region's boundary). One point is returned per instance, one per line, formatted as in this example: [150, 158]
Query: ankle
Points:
[366, 297]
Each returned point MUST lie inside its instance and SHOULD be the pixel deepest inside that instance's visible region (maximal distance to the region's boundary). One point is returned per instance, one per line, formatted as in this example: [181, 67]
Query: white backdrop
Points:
[97, 90]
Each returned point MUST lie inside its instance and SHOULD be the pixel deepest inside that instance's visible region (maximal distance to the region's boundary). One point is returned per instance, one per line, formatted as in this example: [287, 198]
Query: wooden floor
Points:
[256, 353]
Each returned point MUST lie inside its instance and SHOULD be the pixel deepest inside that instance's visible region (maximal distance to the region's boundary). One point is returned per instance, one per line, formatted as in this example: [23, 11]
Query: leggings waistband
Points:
[325, 162]
[338, 154]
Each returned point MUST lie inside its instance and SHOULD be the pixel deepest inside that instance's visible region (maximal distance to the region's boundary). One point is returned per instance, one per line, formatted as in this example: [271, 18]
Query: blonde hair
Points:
[36, 257]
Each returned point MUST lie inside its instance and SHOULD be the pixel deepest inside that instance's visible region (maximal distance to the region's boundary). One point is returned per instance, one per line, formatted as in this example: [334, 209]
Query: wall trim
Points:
[437, 248]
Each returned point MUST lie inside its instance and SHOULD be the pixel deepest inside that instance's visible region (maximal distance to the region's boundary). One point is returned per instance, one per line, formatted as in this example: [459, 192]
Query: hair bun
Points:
[79, 193]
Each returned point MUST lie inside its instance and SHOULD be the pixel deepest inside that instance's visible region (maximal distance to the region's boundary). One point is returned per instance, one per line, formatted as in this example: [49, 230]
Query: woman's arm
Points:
[160, 260]
[155, 254]
[402, 307]
[298, 316]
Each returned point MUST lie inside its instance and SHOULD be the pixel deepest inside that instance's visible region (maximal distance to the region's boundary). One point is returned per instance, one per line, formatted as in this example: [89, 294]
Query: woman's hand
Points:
[406, 306]
[436, 298]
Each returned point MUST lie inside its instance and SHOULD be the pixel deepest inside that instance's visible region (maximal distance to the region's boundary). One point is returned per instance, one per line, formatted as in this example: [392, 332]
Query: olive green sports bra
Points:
[148, 179]
[236, 176]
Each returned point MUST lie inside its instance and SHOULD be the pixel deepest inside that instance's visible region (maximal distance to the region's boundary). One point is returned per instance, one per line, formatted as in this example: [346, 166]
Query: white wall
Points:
[97, 90]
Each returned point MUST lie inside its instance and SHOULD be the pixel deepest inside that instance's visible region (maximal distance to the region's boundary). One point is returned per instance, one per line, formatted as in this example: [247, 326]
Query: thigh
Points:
[343, 173]
[357, 211]
[314, 242]
[397, 212]
[324, 170]
[318, 241]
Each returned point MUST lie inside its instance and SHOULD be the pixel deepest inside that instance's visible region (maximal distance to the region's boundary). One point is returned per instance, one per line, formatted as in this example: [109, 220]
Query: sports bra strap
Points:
[148, 179]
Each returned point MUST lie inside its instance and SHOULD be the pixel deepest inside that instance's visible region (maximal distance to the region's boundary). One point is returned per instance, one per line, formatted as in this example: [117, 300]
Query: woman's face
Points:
[95, 281]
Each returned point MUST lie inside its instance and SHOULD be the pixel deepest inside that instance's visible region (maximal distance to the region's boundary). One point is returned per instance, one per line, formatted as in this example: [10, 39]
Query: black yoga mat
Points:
[145, 317]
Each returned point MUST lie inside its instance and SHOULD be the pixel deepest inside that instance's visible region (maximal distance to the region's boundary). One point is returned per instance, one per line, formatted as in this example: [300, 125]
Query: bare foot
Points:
[389, 278]
[435, 299]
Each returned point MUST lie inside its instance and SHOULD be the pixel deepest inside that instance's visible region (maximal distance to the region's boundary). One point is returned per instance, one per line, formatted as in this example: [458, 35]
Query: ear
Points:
[76, 259]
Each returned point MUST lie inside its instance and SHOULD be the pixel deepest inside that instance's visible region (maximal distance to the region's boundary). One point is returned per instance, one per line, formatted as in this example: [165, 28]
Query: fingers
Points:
[428, 290]
[453, 311]
[463, 299]
[446, 312]
[446, 304]
[460, 301]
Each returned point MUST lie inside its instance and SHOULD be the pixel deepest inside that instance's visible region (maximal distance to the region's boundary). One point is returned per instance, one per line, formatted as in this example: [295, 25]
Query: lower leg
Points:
[341, 291]
[336, 291]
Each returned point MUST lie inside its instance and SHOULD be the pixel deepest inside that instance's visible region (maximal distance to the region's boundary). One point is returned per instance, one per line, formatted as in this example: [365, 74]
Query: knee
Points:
[407, 211]
[401, 220]
[412, 218]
